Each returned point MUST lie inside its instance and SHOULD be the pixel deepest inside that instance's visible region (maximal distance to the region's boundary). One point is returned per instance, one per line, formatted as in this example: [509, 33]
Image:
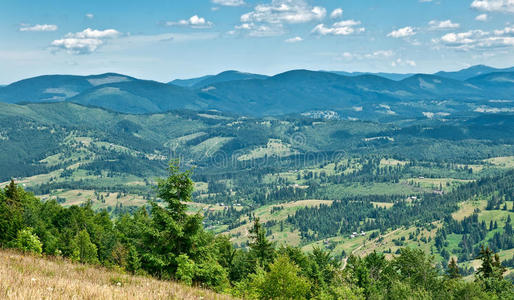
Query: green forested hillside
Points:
[436, 185]
[164, 241]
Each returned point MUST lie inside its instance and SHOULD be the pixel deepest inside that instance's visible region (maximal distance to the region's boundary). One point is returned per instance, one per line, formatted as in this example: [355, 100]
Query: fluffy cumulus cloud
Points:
[402, 32]
[193, 22]
[481, 17]
[336, 13]
[86, 41]
[269, 19]
[345, 27]
[479, 39]
[506, 6]
[229, 2]
[403, 62]
[448, 24]
[284, 11]
[38, 27]
[294, 40]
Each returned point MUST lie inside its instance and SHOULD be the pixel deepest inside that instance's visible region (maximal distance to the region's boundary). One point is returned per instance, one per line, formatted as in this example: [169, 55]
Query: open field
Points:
[467, 208]
[265, 214]
[504, 161]
[29, 277]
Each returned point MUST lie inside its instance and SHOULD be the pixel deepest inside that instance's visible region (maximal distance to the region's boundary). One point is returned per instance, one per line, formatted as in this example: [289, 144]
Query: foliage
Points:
[283, 281]
[84, 250]
[26, 241]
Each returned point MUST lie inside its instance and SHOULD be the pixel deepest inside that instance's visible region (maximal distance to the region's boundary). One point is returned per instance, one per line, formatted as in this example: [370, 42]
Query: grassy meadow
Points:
[29, 277]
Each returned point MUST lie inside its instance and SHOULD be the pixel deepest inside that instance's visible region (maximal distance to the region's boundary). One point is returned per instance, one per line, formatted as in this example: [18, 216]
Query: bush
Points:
[283, 281]
[26, 241]
[185, 270]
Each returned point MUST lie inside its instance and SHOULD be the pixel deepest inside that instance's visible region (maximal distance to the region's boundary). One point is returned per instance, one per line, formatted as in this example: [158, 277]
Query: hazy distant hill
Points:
[365, 97]
[392, 76]
[140, 96]
[300, 90]
[189, 82]
[472, 72]
[53, 88]
[224, 77]
[499, 84]
[463, 74]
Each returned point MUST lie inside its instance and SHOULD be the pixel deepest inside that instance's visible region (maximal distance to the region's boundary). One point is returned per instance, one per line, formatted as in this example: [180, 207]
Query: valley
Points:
[270, 168]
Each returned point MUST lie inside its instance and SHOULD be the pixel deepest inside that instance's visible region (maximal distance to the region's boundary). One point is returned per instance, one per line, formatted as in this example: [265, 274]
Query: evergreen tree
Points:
[13, 193]
[85, 251]
[133, 261]
[261, 249]
[453, 269]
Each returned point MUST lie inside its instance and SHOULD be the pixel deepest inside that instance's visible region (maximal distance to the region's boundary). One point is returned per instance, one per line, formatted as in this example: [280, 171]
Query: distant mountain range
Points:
[457, 75]
[471, 72]
[213, 79]
[353, 95]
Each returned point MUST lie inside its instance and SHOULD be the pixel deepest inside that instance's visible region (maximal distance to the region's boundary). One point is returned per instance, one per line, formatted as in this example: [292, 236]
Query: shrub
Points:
[28, 242]
[185, 270]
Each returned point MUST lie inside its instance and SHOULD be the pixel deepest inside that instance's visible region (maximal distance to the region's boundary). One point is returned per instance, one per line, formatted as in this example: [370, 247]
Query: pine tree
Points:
[12, 193]
[176, 189]
[453, 269]
[85, 251]
[133, 261]
[262, 249]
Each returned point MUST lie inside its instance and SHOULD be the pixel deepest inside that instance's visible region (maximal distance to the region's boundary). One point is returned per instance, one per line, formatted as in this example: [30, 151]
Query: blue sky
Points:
[168, 39]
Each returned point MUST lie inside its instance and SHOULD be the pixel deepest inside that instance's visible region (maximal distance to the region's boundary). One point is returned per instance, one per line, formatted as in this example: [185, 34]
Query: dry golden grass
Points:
[29, 277]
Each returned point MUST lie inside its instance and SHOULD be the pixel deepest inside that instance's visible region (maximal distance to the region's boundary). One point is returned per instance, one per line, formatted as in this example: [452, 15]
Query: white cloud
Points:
[402, 62]
[345, 27]
[463, 38]
[95, 34]
[505, 6]
[336, 13]
[90, 16]
[482, 17]
[505, 32]
[86, 41]
[229, 2]
[284, 11]
[259, 30]
[402, 32]
[379, 54]
[448, 24]
[479, 39]
[269, 19]
[38, 27]
[294, 40]
[193, 22]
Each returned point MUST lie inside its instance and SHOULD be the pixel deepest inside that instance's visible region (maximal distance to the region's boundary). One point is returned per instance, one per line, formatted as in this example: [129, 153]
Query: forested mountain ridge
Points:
[211, 79]
[90, 134]
[463, 74]
[367, 97]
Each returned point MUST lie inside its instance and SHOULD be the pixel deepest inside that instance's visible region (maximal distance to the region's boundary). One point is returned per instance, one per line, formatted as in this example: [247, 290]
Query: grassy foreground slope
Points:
[30, 277]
